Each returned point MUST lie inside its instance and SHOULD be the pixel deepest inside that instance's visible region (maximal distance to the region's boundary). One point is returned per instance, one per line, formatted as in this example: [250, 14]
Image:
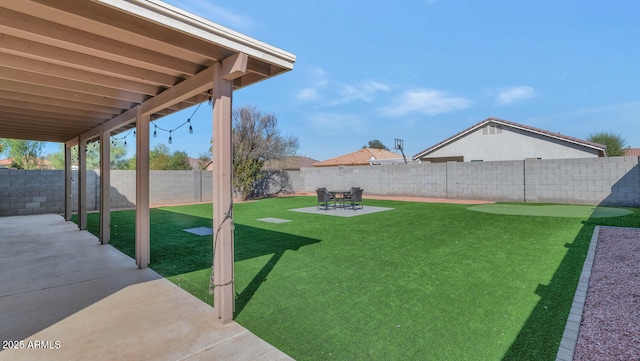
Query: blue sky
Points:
[424, 70]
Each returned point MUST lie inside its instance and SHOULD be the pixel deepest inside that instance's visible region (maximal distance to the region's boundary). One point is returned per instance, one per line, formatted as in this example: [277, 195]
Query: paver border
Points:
[572, 329]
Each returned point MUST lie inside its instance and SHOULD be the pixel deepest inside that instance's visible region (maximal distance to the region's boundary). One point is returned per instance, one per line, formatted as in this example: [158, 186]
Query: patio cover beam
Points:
[197, 84]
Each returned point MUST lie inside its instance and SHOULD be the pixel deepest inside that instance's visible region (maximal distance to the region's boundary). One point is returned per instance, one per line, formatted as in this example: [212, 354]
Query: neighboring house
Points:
[294, 162]
[6, 163]
[42, 163]
[632, 152]
[197, 164]
[365, 156]
[495, 139]
[287, 163]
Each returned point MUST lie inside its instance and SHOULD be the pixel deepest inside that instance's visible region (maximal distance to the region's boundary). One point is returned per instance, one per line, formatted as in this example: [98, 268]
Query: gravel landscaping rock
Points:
[610, 327]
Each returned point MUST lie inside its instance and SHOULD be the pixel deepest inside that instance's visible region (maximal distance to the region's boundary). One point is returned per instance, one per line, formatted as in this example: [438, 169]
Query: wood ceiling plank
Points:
[43, 52]
[38, 135]
[113, 24]
[44, 127]
[31, 98]
[33, 122]
[65, 72]
[9, 104]
[48, 92]
[69, 84]
[44, 115]
[51, 33]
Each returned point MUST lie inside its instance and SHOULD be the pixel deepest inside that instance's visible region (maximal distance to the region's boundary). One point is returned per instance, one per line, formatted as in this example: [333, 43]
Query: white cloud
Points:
[510, 95]
[312, 92]
[425, 101]
[364, 92]
[308, 94]
[319, 73]
[335, 123]
[332, 93]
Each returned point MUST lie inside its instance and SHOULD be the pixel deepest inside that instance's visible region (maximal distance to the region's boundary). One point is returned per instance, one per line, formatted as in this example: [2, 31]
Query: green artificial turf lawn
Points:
[420, 282]
[551, 210]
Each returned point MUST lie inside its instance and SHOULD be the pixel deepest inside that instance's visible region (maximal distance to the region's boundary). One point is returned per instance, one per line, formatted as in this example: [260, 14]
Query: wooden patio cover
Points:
[80, 71]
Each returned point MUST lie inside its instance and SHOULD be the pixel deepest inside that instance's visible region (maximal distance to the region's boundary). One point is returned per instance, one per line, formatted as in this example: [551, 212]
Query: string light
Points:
[170, 131]
[188, 121]
[114, 140]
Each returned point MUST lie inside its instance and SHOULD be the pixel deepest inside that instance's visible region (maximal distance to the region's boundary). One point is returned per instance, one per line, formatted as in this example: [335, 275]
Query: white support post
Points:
[223, 278]
[82, 184]
[142, 190]
[67, 182]
[105, 187]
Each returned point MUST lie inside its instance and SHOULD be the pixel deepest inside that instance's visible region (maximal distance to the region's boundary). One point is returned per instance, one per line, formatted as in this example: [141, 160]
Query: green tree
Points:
[25, 154]
[130, 164]
[375, 143]
[256, 139]
[179, 161]
[117, 156]
[56, 160]
[160, 158]
[614, 142]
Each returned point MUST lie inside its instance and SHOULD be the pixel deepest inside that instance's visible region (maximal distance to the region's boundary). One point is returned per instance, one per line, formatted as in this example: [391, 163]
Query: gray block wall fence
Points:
[613, 181]
[42, 191]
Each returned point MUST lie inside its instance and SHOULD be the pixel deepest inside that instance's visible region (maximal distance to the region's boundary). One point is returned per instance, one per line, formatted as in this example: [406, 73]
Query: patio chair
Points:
[356, 199]
[347, 196]
[324, 198]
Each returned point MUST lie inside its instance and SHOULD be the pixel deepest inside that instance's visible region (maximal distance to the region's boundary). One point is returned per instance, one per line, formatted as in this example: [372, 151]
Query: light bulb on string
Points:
[170, 139]
[190, 127]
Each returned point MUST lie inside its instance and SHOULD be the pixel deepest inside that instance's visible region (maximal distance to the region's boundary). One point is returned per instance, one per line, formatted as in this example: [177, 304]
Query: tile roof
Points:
[197, 164]
[43, 163]
[508, 123]
[360, 157]
[294, 162]
[632, 152]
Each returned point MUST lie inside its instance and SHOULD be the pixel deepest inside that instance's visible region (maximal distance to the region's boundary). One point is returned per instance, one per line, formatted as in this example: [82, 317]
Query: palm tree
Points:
[614, 142]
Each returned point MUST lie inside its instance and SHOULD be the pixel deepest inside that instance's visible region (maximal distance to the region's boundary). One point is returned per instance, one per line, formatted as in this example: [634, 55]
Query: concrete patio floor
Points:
[63, 296]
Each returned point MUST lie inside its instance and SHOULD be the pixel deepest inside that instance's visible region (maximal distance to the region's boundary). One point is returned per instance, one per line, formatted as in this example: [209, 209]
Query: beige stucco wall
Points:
[506, 143]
